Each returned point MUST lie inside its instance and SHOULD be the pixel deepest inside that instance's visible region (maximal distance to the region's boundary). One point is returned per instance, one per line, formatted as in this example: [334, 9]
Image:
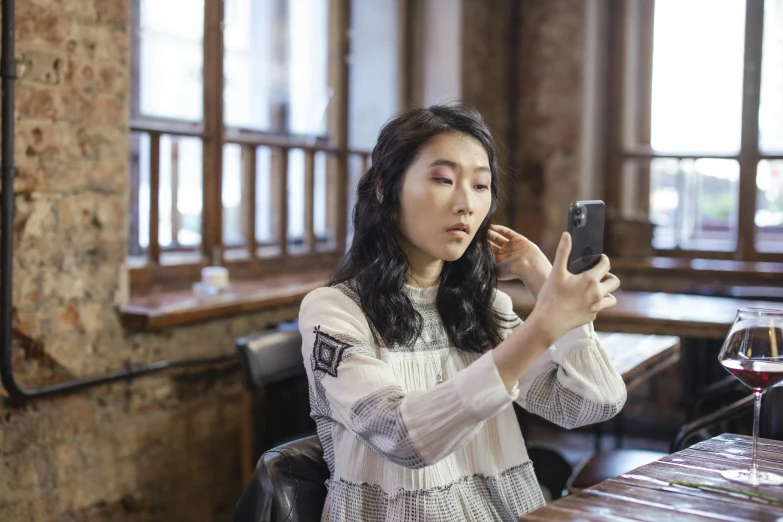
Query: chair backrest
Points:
[289, 484]
[733, 411]
[271, 355]
[552, 470]
[278, 409]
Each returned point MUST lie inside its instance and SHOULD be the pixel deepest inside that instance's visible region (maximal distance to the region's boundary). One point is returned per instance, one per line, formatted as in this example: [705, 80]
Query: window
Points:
[699, 131]
[251, 123]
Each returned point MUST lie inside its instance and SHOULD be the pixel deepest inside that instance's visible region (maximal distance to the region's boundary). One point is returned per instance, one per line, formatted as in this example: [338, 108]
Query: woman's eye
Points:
[482, 187]
[444, 181]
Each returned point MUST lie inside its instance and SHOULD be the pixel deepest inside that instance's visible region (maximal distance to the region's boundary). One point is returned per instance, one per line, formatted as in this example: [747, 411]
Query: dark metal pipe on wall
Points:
[129, 372]
[8, 72]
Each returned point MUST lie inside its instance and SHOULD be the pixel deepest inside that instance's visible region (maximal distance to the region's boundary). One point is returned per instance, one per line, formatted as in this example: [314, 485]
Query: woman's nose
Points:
[463, 200]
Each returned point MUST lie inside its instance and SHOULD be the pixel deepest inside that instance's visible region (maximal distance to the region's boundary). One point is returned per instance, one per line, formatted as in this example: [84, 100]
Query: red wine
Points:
[758, 374]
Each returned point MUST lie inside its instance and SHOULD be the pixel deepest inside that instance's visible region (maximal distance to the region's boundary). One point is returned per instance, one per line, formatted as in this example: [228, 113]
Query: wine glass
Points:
[753, 353]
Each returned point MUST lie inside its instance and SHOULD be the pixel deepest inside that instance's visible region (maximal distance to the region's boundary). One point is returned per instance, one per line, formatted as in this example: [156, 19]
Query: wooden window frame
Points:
[630, 64]
[147, 274]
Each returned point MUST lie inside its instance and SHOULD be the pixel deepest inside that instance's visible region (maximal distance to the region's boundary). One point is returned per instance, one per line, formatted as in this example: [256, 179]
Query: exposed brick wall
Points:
[551, 66]
[549, 89]
[485, 74]
[165, 447]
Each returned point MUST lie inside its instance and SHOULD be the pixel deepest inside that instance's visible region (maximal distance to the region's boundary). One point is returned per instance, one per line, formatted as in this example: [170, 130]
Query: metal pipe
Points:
[8, 73]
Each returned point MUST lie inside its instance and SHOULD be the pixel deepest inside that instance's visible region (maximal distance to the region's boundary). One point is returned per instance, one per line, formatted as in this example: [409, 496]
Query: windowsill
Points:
[690, 266]
[174, 308]
[743, 279]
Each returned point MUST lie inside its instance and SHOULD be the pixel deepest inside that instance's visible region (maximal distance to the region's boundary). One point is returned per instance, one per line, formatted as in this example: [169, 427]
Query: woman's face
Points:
[447, 185]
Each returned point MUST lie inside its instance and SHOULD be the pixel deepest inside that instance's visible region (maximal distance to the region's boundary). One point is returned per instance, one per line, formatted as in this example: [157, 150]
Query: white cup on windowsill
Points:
[214, 280]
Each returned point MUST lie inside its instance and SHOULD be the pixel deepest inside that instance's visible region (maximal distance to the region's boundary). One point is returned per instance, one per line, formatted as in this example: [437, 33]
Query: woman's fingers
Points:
[607, 302]
[497, 238]
[610, 284]
[607, 286]
[563, 250]
[505, 231]
[600, 270]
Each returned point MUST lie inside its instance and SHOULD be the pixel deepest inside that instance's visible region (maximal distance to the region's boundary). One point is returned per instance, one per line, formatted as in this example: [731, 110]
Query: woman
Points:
[414, 357]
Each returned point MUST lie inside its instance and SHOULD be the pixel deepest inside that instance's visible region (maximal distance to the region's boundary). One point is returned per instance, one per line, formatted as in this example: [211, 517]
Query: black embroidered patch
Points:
[328, 352]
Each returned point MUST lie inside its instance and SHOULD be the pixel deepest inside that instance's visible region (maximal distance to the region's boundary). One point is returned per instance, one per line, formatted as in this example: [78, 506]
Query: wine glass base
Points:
[761, 478]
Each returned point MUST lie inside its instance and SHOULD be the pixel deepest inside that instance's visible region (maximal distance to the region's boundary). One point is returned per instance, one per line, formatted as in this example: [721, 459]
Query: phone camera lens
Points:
[578, 211]
[577, 222]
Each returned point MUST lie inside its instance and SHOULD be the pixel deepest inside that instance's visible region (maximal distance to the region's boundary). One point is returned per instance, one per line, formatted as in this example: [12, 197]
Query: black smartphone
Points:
[586, 226]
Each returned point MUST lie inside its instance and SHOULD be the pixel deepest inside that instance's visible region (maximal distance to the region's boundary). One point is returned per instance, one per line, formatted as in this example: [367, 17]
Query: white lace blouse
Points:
[426, 431]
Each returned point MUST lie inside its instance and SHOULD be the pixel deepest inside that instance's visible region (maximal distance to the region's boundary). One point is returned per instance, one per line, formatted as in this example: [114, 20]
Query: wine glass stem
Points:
[754, 471]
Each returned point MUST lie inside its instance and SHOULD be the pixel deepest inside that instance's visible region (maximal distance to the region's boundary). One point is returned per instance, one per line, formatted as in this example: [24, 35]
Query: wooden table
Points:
[638, 357]
[657, 312]
[702, 322]
[647, 494]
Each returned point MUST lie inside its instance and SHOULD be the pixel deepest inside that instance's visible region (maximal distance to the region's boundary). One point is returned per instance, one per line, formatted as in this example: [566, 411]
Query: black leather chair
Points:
[552, 471]
[271, 355]
[277, 406]
[287, 486]
[289, 480]
[731, 412]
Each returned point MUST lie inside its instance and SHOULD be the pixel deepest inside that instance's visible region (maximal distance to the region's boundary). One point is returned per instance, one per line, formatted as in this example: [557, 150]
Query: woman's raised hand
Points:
[567, 301]
[518, 257]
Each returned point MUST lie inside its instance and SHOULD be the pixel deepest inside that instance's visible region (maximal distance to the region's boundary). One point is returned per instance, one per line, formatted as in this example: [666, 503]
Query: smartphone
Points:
[586, 226]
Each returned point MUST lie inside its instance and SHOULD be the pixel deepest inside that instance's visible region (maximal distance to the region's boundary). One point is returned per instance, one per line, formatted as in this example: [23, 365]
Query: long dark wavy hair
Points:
[376, 265]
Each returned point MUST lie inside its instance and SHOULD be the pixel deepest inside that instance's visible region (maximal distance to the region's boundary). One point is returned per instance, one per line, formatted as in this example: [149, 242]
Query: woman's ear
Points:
[378, 192]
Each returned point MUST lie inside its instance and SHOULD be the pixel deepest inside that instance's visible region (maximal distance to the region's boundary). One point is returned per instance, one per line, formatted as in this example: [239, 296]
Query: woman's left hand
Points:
[518, 257]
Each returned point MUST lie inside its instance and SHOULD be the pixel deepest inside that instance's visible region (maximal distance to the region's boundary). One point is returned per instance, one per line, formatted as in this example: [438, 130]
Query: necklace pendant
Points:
[438, 379]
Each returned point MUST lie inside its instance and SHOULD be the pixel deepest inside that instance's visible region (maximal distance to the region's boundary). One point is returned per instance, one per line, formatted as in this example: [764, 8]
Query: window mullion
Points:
[404, 54]
[616, 103]
[339, 45]
[749, 153]
[213, 129]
